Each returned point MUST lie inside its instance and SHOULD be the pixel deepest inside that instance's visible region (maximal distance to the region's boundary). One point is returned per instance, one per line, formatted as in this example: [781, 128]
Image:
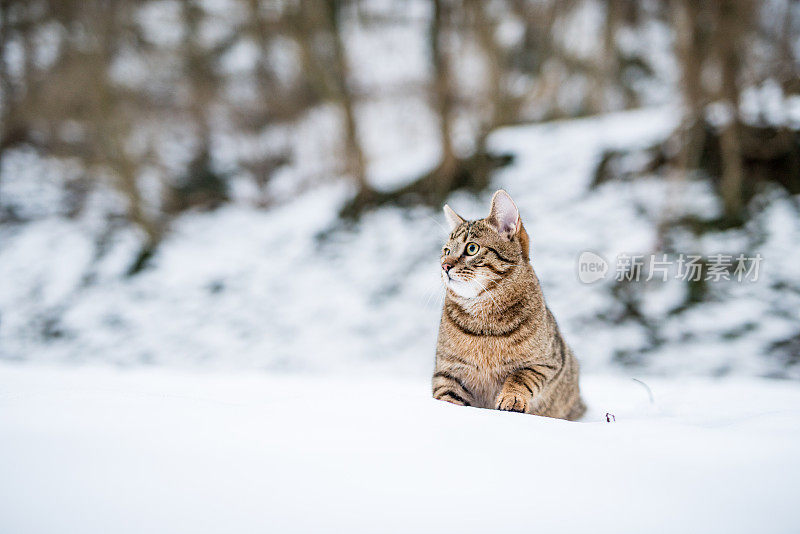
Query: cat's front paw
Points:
[512, 401]
[452, 397]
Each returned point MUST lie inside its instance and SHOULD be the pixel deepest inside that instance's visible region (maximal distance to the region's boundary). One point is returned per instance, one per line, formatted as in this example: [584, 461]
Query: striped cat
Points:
[499, 345]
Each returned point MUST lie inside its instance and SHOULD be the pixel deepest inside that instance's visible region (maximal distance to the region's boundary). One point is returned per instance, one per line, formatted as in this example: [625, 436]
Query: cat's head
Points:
[479, 255]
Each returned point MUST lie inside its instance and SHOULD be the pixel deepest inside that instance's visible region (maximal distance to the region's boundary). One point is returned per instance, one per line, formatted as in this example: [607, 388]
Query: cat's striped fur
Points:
[499, 345]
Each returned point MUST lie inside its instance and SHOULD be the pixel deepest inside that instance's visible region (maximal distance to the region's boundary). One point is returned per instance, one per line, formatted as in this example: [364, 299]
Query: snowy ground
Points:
[101, 450]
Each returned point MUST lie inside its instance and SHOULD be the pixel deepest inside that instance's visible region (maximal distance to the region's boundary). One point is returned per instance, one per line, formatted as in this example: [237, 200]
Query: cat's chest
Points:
[488, 353]
[492, 361]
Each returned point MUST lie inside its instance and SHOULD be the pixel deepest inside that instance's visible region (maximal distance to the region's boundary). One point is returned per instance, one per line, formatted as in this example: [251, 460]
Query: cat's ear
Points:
[452, 217]
[504, 215]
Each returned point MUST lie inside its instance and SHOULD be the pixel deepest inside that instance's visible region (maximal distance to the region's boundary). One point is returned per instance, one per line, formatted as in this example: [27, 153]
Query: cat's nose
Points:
[446, 267]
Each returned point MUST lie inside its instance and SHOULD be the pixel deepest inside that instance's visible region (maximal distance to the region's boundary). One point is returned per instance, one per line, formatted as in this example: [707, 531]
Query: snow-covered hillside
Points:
[94, 451]
[249, 288]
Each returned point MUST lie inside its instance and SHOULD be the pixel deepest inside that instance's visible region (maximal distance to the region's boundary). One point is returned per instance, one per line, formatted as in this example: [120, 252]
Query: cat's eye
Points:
[446, 251]
[472, 249]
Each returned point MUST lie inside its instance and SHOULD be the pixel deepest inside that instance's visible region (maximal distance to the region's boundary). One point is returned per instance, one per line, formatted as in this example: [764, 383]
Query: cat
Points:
[499, 345]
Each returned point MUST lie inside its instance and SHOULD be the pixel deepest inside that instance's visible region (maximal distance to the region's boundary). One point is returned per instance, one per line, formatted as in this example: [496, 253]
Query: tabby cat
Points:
[499, 345]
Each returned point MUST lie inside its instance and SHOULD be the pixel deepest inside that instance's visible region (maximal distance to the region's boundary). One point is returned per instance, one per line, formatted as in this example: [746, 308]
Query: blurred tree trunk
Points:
[310, 19]
[690, 53]
[15, 19]
[501, 107]
[7, 96]
[788, 75]
[110, 123]
[260, 32]
[731, 34]
[198, 72]
[542, 56]
[200, 186]
[346, 98]
[443, 97]
[605, 74]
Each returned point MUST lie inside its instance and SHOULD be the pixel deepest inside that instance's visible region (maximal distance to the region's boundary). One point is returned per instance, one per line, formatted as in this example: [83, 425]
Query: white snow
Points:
[100, 450]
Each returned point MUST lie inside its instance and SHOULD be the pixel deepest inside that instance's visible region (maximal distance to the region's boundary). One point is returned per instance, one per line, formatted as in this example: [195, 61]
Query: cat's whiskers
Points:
[429, 294]
[439, 299]
[433, 291]
[439, 224]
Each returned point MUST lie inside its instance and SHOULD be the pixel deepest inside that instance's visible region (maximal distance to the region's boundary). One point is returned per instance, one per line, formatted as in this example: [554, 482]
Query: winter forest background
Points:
[243, 183]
